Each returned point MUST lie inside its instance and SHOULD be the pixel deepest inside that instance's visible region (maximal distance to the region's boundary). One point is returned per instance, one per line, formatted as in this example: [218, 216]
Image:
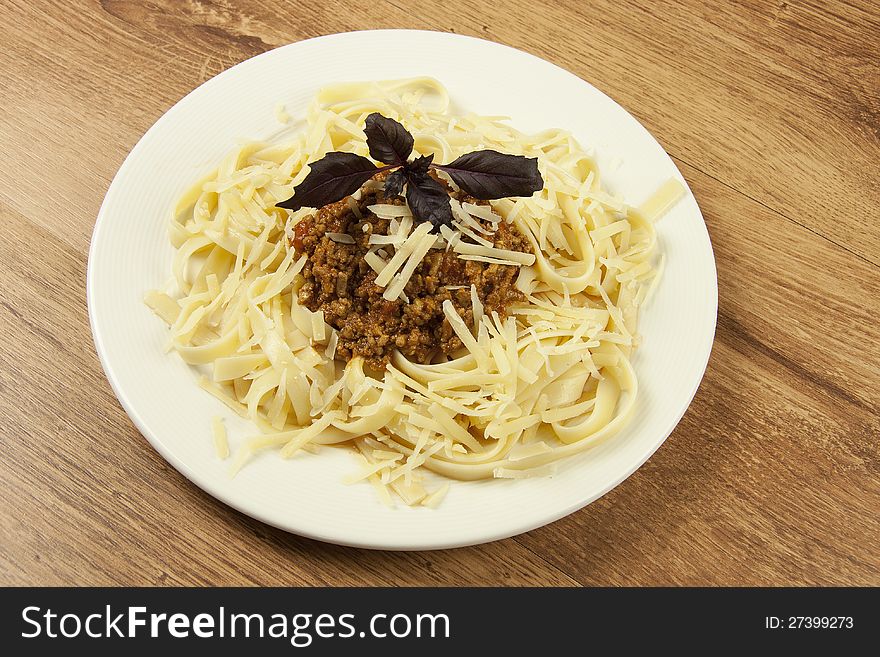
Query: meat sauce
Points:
[340, 283]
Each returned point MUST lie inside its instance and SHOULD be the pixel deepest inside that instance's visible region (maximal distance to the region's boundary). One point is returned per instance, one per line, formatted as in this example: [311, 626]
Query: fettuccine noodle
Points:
[550, 380]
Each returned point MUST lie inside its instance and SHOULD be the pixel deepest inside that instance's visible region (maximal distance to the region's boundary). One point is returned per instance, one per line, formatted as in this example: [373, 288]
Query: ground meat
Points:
[339, 282]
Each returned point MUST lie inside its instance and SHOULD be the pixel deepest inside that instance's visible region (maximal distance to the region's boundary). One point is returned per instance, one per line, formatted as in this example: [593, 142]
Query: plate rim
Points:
[227, 496]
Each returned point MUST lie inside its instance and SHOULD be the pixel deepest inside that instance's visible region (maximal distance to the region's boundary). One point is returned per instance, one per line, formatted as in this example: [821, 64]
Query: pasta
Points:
[549, 380]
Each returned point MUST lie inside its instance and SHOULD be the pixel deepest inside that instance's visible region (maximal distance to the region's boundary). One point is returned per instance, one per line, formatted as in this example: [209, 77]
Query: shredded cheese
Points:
[551, 379]
[477, 307]
[402, 254]
[415, 258]
[218, 431]
[341, 238]
[491, 252]
[433, 500]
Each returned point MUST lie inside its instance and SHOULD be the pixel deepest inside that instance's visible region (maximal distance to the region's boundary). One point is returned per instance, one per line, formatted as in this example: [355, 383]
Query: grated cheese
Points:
[415, 258]
[491, 261]
[464, 333]
[477, 307]
[221, 444]
[385, 239]
[550, 379]
[482, 212]
[330, 351]
[389, 211]
[384, 277]
[375, 262]
[355, 209]
[468, 220]
[318, 326]
[163, 305]
[464, 230]
[509, 473]
[341, 238]
[492, 252]
[433, 500]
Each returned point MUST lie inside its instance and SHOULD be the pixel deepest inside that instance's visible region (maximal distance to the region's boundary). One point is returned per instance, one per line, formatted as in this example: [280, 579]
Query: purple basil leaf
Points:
[490, 174]
[394, 183]
[428, 200]
[389, 141]
[333, 177]
[420, 165]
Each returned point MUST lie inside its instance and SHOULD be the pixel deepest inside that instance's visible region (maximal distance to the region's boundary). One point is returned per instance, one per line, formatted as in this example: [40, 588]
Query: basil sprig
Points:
[484, 174]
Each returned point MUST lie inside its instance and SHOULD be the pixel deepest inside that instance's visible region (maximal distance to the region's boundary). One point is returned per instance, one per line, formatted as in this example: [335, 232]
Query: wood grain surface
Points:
[770, 109]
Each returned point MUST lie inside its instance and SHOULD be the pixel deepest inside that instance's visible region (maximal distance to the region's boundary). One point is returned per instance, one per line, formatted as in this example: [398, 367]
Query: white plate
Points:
[130, 253]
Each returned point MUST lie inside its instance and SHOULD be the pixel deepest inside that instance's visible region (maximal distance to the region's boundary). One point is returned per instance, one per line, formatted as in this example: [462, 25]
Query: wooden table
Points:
[770, 110]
